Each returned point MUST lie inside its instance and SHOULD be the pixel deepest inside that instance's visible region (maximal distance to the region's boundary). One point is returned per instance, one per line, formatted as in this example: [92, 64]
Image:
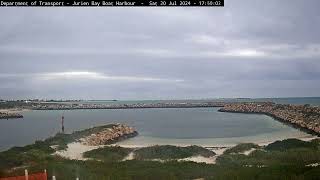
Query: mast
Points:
[62, 123]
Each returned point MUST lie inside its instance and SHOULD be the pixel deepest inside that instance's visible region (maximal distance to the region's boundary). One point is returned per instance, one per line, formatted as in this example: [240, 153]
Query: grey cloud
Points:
[247, 48]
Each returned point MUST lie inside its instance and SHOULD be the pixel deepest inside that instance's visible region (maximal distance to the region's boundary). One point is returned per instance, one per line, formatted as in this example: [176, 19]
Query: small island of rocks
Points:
[10, 115]
[109, 135]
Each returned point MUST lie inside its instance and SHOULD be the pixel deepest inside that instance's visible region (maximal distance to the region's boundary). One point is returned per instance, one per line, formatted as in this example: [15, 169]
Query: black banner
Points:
[137, 3]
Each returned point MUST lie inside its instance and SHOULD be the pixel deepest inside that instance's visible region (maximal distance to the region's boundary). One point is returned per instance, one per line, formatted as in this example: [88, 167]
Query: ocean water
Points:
[200, 126]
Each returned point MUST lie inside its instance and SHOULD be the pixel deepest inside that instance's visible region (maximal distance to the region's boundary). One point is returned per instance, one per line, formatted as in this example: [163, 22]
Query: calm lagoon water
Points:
[201, 126]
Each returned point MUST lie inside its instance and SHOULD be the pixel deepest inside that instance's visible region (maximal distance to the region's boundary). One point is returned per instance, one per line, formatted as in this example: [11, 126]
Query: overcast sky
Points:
[245, 49]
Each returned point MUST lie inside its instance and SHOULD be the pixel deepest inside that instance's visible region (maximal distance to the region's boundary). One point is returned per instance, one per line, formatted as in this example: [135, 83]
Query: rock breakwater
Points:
[304, 117]
[10, 115]
[111, 135]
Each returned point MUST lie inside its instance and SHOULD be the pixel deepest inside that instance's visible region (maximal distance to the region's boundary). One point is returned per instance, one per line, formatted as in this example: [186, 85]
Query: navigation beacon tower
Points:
[62, 123]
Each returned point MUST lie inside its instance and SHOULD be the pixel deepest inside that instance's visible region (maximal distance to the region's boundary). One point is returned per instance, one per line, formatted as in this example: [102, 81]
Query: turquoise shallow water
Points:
[202, 126]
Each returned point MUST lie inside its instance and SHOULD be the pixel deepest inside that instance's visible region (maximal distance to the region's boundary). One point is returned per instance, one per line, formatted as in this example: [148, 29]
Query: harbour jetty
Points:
[304, 117]
[10, 115]
[110, 135]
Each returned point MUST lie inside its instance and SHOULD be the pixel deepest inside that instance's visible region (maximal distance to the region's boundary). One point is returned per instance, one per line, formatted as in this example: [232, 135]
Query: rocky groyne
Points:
[111, 135]
[10, 115]
[304, 117]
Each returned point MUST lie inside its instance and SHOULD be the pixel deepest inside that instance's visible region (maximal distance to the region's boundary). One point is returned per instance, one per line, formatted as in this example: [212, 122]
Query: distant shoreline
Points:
[14, 110]
[125, 106]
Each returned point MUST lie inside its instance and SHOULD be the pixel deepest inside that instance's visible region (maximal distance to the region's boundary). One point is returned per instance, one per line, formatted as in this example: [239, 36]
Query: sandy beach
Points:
[143, 141]
[75, 151]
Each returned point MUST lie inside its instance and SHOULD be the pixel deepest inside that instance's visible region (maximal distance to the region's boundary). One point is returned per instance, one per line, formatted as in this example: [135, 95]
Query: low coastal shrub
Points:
[291, 152]
[287, 144]
[171, 170]
[21, 156]
[167, 152]
[301, 157]
[108, 153]
[241, 148]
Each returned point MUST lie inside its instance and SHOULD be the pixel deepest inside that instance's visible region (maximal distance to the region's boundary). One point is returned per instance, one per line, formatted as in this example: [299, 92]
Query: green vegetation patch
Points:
[241, 148]
[108, 153]
[287, 144]
[291, 152]
[24, 156]
[171, 170]
[167, 152]
[300, 157]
